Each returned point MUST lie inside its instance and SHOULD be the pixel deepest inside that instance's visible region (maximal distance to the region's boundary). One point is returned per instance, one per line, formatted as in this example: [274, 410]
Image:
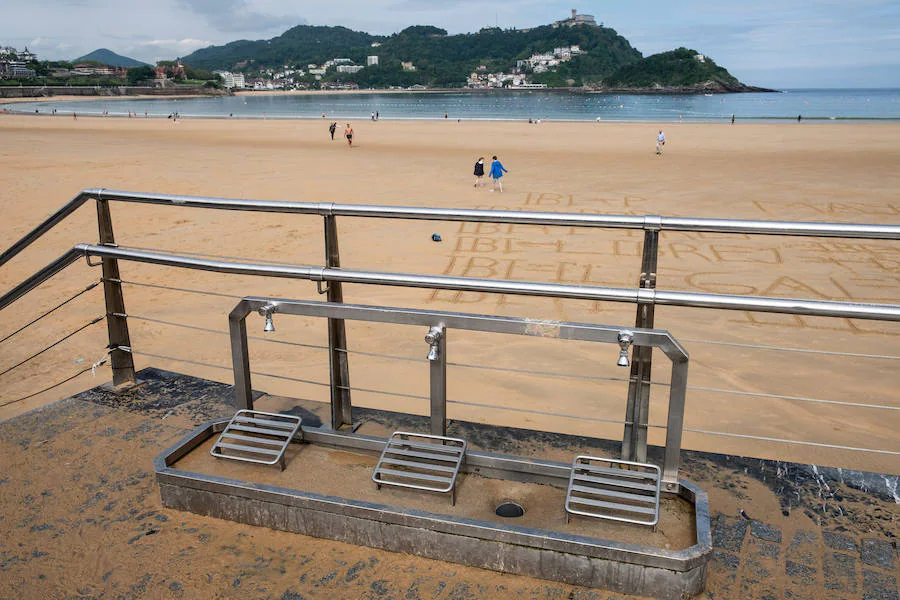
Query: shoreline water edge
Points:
[536, 106]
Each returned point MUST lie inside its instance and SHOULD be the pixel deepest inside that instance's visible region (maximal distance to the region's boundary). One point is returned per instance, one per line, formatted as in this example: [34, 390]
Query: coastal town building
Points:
[231, 80]
[13, 64]
[12, 69]
[576, 19]
[349, 68]
[407, 65]
[371, 61]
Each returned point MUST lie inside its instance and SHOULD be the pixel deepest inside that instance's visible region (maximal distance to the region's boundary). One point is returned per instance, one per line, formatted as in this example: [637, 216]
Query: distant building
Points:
[349, 68]
[341, 61]
[11, 69]
[231, 80]
[700, 58]
[375, 44]
[371, 61]
[407, 66]
[576, 19]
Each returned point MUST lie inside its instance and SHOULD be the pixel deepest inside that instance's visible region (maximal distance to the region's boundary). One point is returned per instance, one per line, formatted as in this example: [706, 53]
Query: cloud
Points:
[236, 16]
[185, 45]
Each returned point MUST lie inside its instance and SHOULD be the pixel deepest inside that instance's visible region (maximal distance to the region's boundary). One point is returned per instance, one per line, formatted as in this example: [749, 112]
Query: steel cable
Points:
[58, 306]
[47, 389]
[57, 342]
[800, 350]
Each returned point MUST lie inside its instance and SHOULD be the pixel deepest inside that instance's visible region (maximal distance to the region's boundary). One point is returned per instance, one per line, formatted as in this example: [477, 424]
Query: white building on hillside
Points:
[371, 61]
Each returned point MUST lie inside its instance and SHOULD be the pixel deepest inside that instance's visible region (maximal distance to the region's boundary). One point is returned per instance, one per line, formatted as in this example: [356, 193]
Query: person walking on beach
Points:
[332, 128]
[373, 116]
[660, 142]
[732, 119]
[497, 171]
[348, 133]
[377, 115]
[479, 172]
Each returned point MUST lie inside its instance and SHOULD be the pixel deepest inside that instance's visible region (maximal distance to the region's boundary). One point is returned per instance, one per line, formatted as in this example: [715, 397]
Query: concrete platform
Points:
[80, 516]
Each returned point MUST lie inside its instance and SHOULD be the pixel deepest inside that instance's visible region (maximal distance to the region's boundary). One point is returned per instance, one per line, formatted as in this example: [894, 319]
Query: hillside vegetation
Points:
[440, 59]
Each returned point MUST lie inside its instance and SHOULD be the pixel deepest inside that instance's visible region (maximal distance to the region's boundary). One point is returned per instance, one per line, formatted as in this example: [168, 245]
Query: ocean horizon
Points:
[818, 104]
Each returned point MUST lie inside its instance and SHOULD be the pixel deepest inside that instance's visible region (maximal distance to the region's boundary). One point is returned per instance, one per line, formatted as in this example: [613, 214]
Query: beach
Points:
[840, 172]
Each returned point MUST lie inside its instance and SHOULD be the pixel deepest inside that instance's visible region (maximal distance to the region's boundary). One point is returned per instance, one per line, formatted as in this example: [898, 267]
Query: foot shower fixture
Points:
[625, 340]
[266, 311]
[433, 338]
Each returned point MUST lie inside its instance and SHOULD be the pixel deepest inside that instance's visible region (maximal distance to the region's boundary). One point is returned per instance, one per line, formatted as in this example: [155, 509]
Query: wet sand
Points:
[812, 172]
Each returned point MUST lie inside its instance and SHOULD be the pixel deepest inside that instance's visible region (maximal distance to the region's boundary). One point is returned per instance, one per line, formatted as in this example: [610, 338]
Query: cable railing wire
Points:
[781, 396]
[203, 254]
[52, 310]
[48, 388]
[797, 442]
[56, 343]
[219, 332]
[374, 391]
[185, 290]
[529, 411]
[799, 350]
[530, 371]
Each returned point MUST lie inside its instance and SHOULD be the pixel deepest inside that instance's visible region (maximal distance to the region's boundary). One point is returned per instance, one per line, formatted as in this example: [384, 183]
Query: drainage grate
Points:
[420, 461]
[614, 489]
[258, 437]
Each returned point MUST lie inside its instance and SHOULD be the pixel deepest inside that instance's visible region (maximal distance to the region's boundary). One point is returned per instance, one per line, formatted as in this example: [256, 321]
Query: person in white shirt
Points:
[660, 142]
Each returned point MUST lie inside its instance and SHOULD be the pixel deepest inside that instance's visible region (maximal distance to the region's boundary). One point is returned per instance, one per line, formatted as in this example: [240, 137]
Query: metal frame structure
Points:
[573, 558]
[237, 324]
[646, 296]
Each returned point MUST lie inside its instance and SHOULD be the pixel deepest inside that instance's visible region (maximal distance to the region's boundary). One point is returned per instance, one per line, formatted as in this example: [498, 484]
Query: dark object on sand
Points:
[435, 237]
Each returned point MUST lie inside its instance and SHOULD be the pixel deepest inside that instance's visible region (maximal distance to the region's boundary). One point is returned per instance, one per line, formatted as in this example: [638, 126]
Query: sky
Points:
[770, 43]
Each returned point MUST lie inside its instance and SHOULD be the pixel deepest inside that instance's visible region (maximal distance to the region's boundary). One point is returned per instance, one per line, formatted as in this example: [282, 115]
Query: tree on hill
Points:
[680, 67]
[440, 59]
[136, 75]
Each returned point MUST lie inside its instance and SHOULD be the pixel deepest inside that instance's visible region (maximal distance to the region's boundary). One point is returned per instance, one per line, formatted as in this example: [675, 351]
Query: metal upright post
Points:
[634, 441]
[116, 319]
[341, 413]
[438, 372]
[240, 357]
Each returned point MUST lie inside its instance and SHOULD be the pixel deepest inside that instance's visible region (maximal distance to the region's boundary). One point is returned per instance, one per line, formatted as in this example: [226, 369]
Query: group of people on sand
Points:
[496, 173]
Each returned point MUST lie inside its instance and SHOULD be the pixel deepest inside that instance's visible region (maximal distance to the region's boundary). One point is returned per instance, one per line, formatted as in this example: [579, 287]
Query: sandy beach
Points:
[844, 172]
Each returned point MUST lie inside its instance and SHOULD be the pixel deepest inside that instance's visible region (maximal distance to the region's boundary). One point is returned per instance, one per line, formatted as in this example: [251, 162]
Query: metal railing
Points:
[332, 276]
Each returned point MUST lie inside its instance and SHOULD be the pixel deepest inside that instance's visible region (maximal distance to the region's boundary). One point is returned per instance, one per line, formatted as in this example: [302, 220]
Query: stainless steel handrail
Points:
[817, 308]
[646, 222]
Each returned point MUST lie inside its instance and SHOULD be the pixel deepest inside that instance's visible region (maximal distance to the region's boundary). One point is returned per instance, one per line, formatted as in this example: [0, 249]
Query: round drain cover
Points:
[510, 510]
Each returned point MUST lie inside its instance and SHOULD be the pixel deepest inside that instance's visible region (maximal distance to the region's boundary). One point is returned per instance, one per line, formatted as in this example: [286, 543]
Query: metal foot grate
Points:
[613, 489]
[258, 437]
[420, 461]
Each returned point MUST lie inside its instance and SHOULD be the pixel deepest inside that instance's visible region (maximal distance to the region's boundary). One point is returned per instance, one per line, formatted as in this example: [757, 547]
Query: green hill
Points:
[681, 68]
[440, 59]
[607, 60]
[108, 57]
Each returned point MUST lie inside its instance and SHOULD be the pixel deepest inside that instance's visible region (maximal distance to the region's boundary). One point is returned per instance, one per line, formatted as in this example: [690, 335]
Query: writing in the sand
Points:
[854, 270]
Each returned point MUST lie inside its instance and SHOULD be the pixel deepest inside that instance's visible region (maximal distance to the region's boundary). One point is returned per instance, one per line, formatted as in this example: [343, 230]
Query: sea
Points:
[544, 105]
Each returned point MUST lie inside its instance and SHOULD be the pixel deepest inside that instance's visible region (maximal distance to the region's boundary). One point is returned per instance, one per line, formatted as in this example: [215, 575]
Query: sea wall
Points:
[37, 91]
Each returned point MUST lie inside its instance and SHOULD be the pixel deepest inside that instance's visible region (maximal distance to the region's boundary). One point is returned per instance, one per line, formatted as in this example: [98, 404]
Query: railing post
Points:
[120, 356]
[240, 357]
[437, 357]
[341, 408]
[634, 441]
